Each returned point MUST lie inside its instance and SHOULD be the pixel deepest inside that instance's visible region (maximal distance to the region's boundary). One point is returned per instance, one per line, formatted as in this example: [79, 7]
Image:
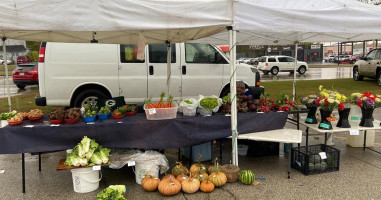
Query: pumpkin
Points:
[190, 185]
[169, 186]
[180, 169]
[198, 168]
[214, 168]
[167, 176]
[182, 177]
[247, 177]
[207, 186]
[200, 177]
[150, 183]
[217, 178]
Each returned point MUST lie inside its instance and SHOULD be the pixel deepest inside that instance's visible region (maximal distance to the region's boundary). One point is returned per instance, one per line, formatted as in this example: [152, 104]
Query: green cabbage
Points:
[113, 192]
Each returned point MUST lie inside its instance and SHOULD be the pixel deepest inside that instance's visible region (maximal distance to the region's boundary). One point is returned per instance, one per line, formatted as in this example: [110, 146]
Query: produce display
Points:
[190, 185]
[90, 111]
[104, 110]
[180, 169]
[198, 168]
[87, 153]
[160, 103]
[57, 114]
[150, 183]
[209, 103]
[5, 116]
[35, 113]
[73, 113]
[23, 114]
[169, 186]
[113, 192]
[207, 186]
[17, 118]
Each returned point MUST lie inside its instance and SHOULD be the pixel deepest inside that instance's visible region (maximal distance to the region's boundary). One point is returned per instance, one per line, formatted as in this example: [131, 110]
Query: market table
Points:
[131, 132]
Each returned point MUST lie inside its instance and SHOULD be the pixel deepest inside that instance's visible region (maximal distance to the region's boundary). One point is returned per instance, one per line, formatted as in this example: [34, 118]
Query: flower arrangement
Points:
[366, 100]
[335, 95]
[328, 104]
[310, 100]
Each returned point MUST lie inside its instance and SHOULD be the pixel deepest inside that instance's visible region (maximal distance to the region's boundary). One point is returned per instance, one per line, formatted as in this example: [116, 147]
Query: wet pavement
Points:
[14, 90]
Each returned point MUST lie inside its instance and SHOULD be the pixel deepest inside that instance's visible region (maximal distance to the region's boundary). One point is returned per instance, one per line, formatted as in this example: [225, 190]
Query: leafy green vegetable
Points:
[131, 108]
[226, 99]
[122, 109]
[187, 101]
[113, 192]
[5, 116]
[209, 103]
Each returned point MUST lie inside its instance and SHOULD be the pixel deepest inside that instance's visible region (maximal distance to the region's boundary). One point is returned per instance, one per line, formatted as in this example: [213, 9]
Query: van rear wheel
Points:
[88, 97]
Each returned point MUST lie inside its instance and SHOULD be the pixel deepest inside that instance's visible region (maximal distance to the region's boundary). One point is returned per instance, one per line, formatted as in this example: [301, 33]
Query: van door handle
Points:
[184, 69]
[151, 70]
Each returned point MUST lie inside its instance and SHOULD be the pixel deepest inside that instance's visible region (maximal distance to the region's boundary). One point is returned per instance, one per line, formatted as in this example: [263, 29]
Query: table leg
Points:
[190, 157]
[364, 140]
[23, 171]
[325, 138]
[39, 162]
[289, 164]
[307, 137]
[297, 119]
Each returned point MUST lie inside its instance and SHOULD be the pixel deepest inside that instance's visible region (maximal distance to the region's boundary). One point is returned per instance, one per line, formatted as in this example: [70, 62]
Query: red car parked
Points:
[25, 74]
[23, 59]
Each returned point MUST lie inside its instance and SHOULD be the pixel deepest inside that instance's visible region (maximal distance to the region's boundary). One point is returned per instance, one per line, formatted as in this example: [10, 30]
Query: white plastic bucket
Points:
[85, 179]
[143, 168]
[242, 150]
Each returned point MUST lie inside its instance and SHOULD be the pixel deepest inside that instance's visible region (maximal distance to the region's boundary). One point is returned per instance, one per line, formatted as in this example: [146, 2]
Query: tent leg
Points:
[233, 92]
[296, 64]
[6, 74]
[169, 59]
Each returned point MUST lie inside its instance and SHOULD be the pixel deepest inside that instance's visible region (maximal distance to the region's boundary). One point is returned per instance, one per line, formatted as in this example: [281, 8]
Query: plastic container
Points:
[358, 140]
[161, 113]
[90, 119]
[103, 116]
[143, 168]
[242, 149]
[189, 112]
[71, 121]
[85, 179]
[205, 150]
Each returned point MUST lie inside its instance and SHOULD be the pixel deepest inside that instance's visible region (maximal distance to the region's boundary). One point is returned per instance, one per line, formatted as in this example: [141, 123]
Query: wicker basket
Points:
[231, 171]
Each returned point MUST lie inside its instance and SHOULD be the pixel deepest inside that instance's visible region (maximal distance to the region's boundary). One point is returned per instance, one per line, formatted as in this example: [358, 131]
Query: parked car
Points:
[368, 66]
[8, 61]
[245, 60]
[25, 74]
[72, 74]
[329, 58]
[23, 59]
[276, 64]
[253, 61]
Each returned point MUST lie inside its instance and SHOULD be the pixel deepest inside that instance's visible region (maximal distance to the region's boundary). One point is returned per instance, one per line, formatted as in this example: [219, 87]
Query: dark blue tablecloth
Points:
[134, 132]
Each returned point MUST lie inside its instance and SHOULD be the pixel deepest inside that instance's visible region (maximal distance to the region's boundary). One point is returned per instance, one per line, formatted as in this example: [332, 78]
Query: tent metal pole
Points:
[6, 74]
[233, 92]
[295, 66]
[169, 61]
[234, 105]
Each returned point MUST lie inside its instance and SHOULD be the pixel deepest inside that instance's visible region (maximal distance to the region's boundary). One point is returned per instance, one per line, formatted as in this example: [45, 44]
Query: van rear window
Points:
[128, 54]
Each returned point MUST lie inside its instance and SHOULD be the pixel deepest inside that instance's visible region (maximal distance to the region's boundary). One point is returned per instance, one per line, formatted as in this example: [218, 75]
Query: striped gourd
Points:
[247, 177]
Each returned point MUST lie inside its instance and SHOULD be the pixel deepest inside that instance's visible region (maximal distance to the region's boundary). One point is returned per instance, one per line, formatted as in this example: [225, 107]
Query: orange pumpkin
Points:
[207, 186]
[150, 183]
[169, 186]
[190, 185]
[180, 169]
[167, 176]
[217, 178]
[198, 168]
[214, 168]
[182, 177]
[201, 177]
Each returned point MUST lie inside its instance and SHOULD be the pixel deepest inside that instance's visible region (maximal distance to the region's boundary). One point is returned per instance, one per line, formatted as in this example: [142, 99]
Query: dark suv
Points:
[23, 59]
[25, 74]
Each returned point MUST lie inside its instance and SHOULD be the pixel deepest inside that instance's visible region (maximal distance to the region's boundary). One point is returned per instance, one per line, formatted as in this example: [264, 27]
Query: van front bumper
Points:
[40, 101]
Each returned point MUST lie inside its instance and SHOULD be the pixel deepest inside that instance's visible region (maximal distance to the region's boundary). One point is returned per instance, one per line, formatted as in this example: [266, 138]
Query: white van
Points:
[71, 74]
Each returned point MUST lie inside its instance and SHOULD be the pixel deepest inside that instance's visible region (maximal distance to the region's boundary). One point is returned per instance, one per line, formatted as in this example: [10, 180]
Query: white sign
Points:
[354, 132]
[323, 155]
[131, 163]
[54, 125]
[119, 122]
[152, 111]
[28, 126]
[97, 167]
[2, 171]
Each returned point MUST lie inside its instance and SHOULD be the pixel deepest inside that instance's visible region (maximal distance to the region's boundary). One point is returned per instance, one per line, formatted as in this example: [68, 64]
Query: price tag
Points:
[54, 125]
[354, 132]
[119, 122]
[323, 125]
[90, 122]
[97, 167]
[355, 117]
[309, 120]
[28, 126]
[152, 111]
[131, 163]
[323, 155]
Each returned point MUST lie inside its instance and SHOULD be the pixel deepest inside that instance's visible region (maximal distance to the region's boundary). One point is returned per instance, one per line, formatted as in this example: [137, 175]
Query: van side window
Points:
[202, 53]
[158, 53]
[271, 60]
[128, 53]
[282, 59]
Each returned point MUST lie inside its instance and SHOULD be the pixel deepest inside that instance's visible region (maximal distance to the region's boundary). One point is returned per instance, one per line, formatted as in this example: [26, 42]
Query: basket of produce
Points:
[161, 110]
[35, 114]
[131, 110]
[56, 116]
[24, 115]
[189, 107]
[104, 113]
[72, 115]
[208, 105]
[5, 116]
[117, 114]
[16, 120]
[231, 171]
[90, 113]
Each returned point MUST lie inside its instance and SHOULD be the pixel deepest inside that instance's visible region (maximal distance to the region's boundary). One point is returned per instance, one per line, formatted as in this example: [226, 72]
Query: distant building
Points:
[14, 48]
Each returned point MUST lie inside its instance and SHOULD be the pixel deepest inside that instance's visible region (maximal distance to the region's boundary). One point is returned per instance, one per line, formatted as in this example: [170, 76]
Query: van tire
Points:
[20, 86]
[274, 70]
[87, 95]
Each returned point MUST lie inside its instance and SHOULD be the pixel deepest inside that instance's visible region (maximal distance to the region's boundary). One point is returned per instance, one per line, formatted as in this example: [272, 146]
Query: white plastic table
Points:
[278, 135]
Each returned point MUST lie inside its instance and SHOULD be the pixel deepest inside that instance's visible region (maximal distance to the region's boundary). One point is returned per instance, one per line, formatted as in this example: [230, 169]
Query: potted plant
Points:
[327, 105]
[343, 112]
[311, 103]
[367, 102]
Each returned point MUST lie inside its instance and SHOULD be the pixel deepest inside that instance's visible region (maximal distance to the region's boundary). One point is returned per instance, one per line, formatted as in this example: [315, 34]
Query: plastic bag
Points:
[193, 106]
[219, 100]
[120, 157]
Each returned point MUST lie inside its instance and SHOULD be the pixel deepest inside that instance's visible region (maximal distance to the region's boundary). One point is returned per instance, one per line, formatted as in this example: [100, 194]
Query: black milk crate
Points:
[308, 160]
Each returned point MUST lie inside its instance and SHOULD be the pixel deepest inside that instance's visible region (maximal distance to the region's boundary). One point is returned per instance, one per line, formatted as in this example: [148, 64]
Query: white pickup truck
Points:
[71, 74]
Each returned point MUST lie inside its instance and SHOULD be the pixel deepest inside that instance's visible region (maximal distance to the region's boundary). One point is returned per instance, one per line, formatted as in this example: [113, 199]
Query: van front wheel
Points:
[88, 97]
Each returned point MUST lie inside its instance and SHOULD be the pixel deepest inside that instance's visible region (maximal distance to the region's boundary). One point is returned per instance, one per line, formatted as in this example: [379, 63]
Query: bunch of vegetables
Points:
[113, 192]
[160, 103]
[132, 108]
[90, 111]
[35, 113]
[73, 113]
[57, 114]
[226, 104]
[283, 103]
[87, 152]
[209, 103]
[17, 118]
[104, 110]
[5, 116]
